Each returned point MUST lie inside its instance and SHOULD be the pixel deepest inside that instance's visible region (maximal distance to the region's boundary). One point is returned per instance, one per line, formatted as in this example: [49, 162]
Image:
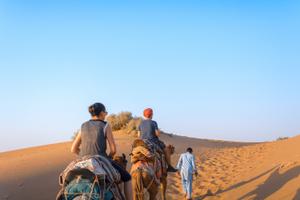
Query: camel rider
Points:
[92, 139]
[148, 130]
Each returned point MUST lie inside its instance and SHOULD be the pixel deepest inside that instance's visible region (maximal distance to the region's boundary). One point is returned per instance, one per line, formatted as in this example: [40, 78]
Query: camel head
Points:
[121, 160]
[171, 149]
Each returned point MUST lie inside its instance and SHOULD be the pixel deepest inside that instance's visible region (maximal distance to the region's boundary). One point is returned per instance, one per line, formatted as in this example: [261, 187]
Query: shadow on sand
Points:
[275, 181]
[237, 185]
[297, 196]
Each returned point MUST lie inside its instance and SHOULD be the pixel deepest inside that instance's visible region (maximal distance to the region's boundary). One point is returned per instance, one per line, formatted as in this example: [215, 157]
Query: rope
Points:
[149, 185]
[92, 188]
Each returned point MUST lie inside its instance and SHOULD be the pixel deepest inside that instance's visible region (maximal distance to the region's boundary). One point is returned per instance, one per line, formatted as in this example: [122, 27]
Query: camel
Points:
[121, 160]
[143, 179]
[164, 180]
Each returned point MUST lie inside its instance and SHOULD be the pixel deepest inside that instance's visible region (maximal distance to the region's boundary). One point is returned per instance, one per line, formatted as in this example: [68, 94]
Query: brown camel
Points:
[143, 179]
[164, 180]
[121, 160]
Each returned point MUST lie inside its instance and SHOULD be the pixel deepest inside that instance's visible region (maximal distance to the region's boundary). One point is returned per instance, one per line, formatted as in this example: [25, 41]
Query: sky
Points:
[210, 69]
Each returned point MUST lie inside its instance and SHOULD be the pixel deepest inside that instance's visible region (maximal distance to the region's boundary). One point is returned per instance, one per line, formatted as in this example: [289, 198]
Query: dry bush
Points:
[133, 125]
[119, 121]
[282, 138]
[114, 122]
[125, 121]
[124, 118]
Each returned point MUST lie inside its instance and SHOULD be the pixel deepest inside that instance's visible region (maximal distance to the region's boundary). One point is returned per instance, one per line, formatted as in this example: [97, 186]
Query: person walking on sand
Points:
[92, 139]
[148, 130]
[186, 166]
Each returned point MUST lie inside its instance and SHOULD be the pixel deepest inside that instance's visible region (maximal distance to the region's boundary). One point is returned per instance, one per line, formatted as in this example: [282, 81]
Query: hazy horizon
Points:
[216, 70]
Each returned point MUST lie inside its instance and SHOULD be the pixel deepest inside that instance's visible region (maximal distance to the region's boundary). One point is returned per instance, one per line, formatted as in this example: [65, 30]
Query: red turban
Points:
[148, 113]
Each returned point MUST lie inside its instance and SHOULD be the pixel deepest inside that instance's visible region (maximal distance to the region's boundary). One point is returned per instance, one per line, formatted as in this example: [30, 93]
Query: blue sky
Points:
[223, 70]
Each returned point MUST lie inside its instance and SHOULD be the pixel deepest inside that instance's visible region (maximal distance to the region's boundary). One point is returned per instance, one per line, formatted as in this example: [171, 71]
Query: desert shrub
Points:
[282, 138]
[119, 121]
[132, 126]
[114, 122]
[124, 118]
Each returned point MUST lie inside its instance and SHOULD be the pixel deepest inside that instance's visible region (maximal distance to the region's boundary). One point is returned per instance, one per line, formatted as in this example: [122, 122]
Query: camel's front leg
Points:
[164, 187]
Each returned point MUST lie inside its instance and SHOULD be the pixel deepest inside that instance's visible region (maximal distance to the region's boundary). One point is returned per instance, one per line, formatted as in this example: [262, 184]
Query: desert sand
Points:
[227, 170]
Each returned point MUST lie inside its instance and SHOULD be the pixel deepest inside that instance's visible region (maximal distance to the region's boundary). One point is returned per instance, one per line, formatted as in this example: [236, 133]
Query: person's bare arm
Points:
[76, 144]
[157, 132]
[139, 133]
[111, 141]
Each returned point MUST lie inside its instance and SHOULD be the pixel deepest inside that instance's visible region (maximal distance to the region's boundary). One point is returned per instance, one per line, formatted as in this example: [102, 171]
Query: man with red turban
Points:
[148, 130]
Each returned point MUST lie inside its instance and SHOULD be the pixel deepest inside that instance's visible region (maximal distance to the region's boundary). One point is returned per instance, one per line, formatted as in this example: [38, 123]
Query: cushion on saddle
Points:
[85, 187]
[98, 166]
[140, 153]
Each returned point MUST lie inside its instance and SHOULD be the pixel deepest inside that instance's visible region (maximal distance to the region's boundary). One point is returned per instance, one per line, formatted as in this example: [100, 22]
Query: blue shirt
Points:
[148, 129]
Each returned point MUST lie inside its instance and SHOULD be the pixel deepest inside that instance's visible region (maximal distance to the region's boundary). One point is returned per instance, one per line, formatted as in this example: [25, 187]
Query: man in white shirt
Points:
[186, 166]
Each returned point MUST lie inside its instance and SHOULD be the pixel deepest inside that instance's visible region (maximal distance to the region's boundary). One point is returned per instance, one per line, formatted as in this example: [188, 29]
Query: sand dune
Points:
[228, 170]
[260, 171]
